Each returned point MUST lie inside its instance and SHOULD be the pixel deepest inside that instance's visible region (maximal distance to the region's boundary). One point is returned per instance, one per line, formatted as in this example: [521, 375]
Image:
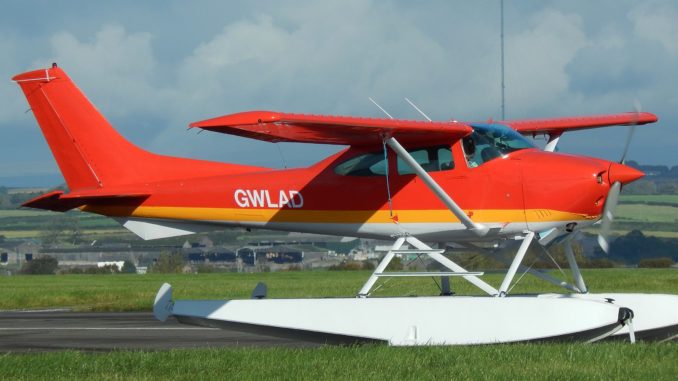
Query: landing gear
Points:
[438, 320]
[421, 248]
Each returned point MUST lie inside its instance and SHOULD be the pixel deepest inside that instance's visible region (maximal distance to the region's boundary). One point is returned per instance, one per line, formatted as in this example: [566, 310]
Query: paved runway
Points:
[53, 331]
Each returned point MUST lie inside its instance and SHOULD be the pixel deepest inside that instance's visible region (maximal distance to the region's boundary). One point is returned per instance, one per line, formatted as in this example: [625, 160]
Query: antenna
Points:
[417, 108]
[380, 108]
[503, 86]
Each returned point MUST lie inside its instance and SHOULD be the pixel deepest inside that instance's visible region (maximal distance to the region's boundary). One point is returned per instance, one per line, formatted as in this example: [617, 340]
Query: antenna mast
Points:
[503, 86]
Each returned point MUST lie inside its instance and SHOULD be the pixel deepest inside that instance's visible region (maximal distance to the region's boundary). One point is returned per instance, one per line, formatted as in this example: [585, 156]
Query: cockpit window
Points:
[490, 141]
[432, 159]
[369, 164]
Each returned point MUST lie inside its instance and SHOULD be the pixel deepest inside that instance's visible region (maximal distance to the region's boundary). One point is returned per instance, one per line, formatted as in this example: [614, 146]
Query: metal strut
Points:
[503, 289]
[576, 274]
[579, 286]
[422, 248]
[479, 229]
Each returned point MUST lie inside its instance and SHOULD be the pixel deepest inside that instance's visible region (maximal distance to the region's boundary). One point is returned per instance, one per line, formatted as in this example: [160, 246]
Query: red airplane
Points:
[410, 181]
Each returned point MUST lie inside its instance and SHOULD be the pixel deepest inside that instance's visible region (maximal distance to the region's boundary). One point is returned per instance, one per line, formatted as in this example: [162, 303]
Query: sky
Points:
[153, 67]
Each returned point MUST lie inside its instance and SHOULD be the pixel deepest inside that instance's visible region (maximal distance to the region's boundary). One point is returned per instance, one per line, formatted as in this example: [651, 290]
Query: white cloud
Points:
[656, 21]
[328, 57]
[115, 69]
[536, 59]
[13, 105]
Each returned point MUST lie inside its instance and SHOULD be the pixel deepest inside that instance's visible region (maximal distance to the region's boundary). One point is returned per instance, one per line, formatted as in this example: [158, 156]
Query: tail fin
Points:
[89, 151]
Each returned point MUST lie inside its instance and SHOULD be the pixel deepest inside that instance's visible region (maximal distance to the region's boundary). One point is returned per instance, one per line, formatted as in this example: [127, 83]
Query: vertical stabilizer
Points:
[89, 151]
[70, 124]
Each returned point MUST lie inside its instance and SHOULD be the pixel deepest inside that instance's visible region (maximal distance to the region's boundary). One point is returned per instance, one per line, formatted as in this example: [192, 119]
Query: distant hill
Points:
[656, 172]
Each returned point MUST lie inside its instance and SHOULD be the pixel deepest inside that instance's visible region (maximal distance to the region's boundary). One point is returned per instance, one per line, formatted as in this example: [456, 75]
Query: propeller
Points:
[632, 128]
[608, 216]
[620, 176]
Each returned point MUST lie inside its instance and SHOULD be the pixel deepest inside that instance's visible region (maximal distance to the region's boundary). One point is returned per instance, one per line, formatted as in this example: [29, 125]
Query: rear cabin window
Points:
[370, 164]
[432, 159]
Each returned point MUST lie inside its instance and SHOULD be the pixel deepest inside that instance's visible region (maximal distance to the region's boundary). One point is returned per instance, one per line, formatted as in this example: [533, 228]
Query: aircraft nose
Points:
[623, 173]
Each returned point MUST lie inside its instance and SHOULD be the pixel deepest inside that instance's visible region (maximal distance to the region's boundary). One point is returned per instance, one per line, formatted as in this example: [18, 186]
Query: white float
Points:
[405, 320]
[439, 320]
[655, 315]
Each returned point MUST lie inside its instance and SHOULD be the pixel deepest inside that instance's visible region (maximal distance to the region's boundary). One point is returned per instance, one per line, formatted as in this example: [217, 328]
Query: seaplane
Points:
[419, 184]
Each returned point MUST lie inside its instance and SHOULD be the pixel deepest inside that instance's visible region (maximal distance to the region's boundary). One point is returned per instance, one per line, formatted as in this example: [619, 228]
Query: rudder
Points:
[86, 147]
[90, 153]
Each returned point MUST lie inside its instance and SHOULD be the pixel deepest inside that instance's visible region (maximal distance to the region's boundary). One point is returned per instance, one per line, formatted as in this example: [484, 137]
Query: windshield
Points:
[490, 141]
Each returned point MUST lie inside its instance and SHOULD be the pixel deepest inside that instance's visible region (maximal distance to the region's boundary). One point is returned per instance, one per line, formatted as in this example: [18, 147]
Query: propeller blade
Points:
[632, 128]
[608, 216]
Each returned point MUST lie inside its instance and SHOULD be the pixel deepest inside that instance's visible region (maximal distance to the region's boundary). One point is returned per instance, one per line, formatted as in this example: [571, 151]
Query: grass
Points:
[27, 223]
[86, 234]
[136, 292]
[11, 213]
[653, 220]
[662, 198]
[496, 362]
[646, 213]
[643, 361]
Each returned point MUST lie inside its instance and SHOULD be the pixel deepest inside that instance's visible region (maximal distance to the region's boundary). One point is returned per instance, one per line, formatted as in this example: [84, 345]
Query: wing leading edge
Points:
[357, 131]
[324, 129]
[557, 126]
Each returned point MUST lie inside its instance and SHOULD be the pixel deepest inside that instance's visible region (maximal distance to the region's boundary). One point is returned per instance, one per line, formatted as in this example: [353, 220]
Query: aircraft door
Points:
[493, 188]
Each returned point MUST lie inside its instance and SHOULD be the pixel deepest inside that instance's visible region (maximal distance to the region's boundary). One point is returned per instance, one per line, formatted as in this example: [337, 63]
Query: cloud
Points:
[115, 68]
[656, 21]
[155, 72]
[537, 58]
[300, 62]
[13, 105]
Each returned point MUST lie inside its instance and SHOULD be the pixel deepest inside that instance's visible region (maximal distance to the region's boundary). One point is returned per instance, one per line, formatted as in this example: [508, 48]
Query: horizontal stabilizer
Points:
[156, 229]
[57, 201]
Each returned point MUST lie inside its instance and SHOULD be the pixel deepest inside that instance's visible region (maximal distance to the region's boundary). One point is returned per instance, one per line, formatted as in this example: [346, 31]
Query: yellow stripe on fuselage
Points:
[333, 216]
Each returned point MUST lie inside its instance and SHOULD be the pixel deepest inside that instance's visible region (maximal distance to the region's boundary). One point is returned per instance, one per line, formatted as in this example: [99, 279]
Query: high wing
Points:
[556, 126]
[324, 129]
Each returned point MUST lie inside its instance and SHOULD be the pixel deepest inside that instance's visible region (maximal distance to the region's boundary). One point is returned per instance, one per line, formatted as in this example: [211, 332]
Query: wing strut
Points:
[479, 229]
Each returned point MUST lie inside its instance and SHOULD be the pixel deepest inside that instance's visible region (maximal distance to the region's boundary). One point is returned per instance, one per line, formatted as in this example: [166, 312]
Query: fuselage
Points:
[524, 190]
[487, 171]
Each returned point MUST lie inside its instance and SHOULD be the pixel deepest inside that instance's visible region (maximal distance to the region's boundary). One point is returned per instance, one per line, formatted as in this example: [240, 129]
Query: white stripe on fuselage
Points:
[160, 228]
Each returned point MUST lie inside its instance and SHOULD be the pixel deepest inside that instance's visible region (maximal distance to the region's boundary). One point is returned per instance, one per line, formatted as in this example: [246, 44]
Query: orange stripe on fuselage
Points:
[333, 216]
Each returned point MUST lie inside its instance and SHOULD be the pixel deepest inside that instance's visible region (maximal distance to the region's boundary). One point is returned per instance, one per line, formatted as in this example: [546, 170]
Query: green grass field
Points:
[122, 292]
[645, 361]
[496, 362]
[602, 361]
[663, 198]
[11, 213]
[29, 223]
[647, 213]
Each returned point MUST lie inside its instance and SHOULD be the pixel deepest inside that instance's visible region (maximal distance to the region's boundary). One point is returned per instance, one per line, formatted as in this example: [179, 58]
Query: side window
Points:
[432, 159]
[445, 158]
[370, 164]
[478, 150]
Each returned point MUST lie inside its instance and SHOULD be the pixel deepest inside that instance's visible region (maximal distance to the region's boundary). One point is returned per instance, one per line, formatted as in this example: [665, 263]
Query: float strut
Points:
[576, 274]
[365, 291]
[515, 264]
